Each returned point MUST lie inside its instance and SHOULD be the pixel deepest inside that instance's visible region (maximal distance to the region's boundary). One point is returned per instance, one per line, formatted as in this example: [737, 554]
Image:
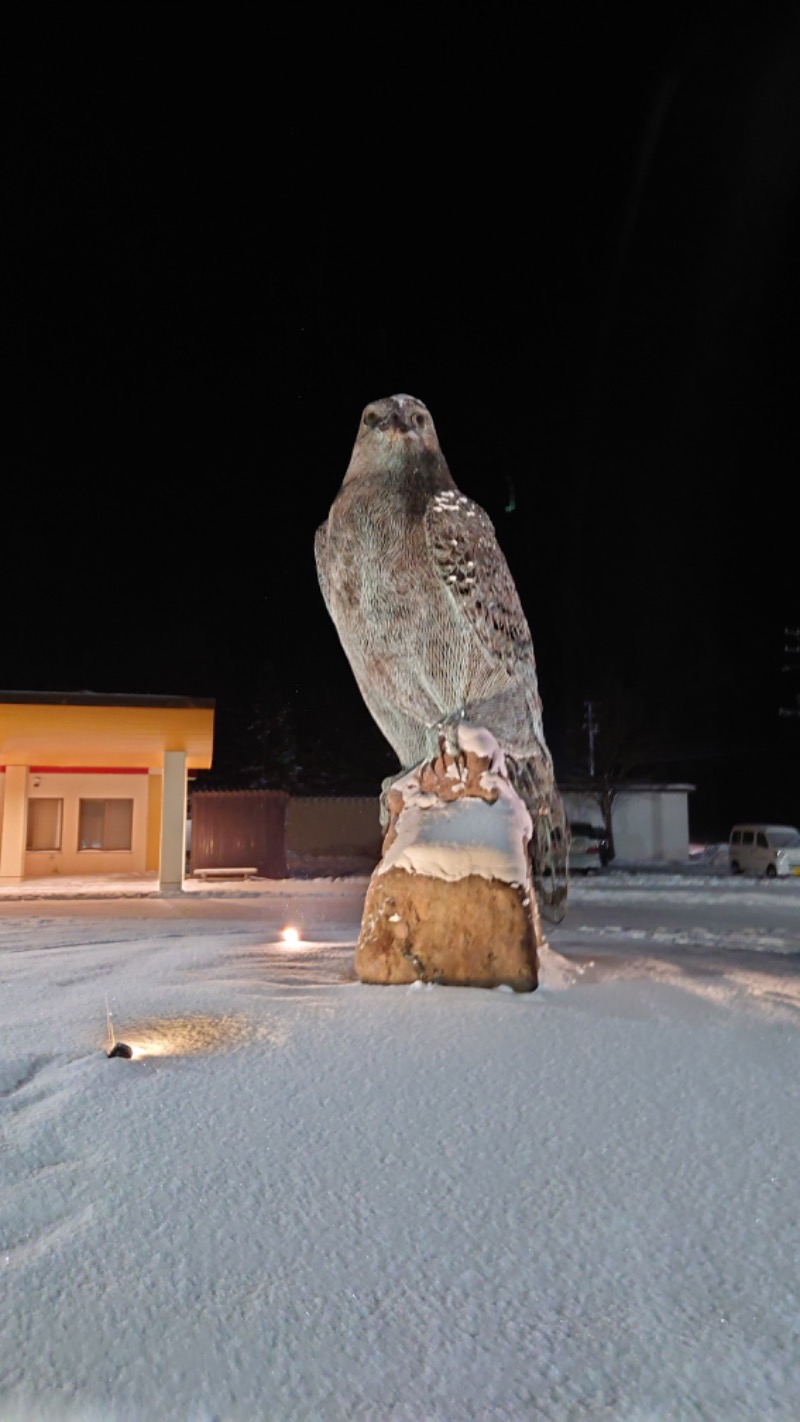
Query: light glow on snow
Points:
[183, 1036]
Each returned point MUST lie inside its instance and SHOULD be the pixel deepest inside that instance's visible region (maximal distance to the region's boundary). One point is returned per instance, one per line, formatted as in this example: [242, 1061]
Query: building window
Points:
[44, 824]
[105, 824]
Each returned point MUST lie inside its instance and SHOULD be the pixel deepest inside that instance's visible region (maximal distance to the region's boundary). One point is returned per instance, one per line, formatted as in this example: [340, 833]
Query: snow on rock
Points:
[480, 825]
[467, 837]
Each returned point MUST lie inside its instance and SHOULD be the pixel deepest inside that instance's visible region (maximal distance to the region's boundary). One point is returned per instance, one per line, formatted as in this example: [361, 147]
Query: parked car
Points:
[588, 848]
[771, 850]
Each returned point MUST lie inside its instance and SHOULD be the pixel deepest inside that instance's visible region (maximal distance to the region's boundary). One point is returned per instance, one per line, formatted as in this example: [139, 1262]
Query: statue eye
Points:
[371, 418]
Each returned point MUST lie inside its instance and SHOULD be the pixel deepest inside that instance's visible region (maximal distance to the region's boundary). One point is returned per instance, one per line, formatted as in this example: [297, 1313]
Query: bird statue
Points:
[429, 617]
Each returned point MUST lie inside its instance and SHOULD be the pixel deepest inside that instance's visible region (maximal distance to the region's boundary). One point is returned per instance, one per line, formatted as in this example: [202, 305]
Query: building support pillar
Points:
[173, 823]
[15, 825]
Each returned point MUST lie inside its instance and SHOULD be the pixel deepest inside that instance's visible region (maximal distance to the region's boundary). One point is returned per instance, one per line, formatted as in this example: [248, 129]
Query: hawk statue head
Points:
[393, 433]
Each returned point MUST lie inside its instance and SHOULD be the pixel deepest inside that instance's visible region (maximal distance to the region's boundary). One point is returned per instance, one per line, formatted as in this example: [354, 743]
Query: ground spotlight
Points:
[120, 1049]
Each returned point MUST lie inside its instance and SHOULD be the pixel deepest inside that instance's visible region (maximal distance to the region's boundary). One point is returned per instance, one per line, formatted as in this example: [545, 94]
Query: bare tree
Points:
[615, 742]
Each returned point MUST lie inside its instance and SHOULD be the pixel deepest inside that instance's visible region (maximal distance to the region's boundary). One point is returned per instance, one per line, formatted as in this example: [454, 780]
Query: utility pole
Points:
[591, 726]
[791, 649]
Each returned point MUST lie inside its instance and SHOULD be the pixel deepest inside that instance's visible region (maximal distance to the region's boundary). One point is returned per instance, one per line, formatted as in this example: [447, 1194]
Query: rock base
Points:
[468, 932]
[452, 900]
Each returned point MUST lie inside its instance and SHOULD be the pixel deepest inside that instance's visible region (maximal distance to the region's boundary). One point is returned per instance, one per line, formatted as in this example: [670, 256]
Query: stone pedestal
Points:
[452, 899]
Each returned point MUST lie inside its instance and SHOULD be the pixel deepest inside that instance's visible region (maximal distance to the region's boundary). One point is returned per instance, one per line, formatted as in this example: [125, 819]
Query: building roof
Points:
[87, 729]
[99, 698]
[624, 787]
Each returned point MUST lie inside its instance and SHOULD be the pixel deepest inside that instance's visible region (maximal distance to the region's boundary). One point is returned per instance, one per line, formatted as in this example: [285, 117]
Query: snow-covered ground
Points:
[308, 1200]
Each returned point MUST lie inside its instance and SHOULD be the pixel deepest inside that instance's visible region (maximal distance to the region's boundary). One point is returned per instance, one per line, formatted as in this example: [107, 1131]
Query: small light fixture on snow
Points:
[120, 1049]
[290, 935]
[115, 1048]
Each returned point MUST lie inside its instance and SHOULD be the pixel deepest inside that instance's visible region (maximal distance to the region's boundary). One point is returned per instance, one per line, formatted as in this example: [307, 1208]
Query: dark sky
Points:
[578, 245]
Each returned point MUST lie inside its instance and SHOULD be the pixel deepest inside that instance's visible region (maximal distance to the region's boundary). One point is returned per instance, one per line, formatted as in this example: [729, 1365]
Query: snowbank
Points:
[310, 1200]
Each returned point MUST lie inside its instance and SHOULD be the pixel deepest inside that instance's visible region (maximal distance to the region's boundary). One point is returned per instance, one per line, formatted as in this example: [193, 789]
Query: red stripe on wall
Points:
[85, 770]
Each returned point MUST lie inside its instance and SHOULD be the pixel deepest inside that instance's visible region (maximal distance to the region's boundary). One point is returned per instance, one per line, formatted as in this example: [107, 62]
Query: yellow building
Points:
[95, 784]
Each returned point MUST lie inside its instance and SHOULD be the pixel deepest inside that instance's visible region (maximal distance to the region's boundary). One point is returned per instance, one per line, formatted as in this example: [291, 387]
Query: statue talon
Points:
[448, 734]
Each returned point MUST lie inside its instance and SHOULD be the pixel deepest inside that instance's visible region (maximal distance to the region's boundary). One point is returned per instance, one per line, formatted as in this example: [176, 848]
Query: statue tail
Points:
[534, 782]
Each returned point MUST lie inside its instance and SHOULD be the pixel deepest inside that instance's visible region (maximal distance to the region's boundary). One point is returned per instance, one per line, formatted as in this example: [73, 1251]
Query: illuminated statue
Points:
[427, 612]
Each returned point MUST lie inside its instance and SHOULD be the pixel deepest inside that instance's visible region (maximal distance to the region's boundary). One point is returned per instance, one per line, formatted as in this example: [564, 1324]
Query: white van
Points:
[773, 850]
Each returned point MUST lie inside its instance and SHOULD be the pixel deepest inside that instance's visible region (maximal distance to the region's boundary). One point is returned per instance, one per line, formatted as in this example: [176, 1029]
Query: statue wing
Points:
[465, 552]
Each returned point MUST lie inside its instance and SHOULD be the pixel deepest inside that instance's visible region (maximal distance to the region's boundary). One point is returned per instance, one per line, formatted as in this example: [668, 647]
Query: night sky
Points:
[579, 246]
